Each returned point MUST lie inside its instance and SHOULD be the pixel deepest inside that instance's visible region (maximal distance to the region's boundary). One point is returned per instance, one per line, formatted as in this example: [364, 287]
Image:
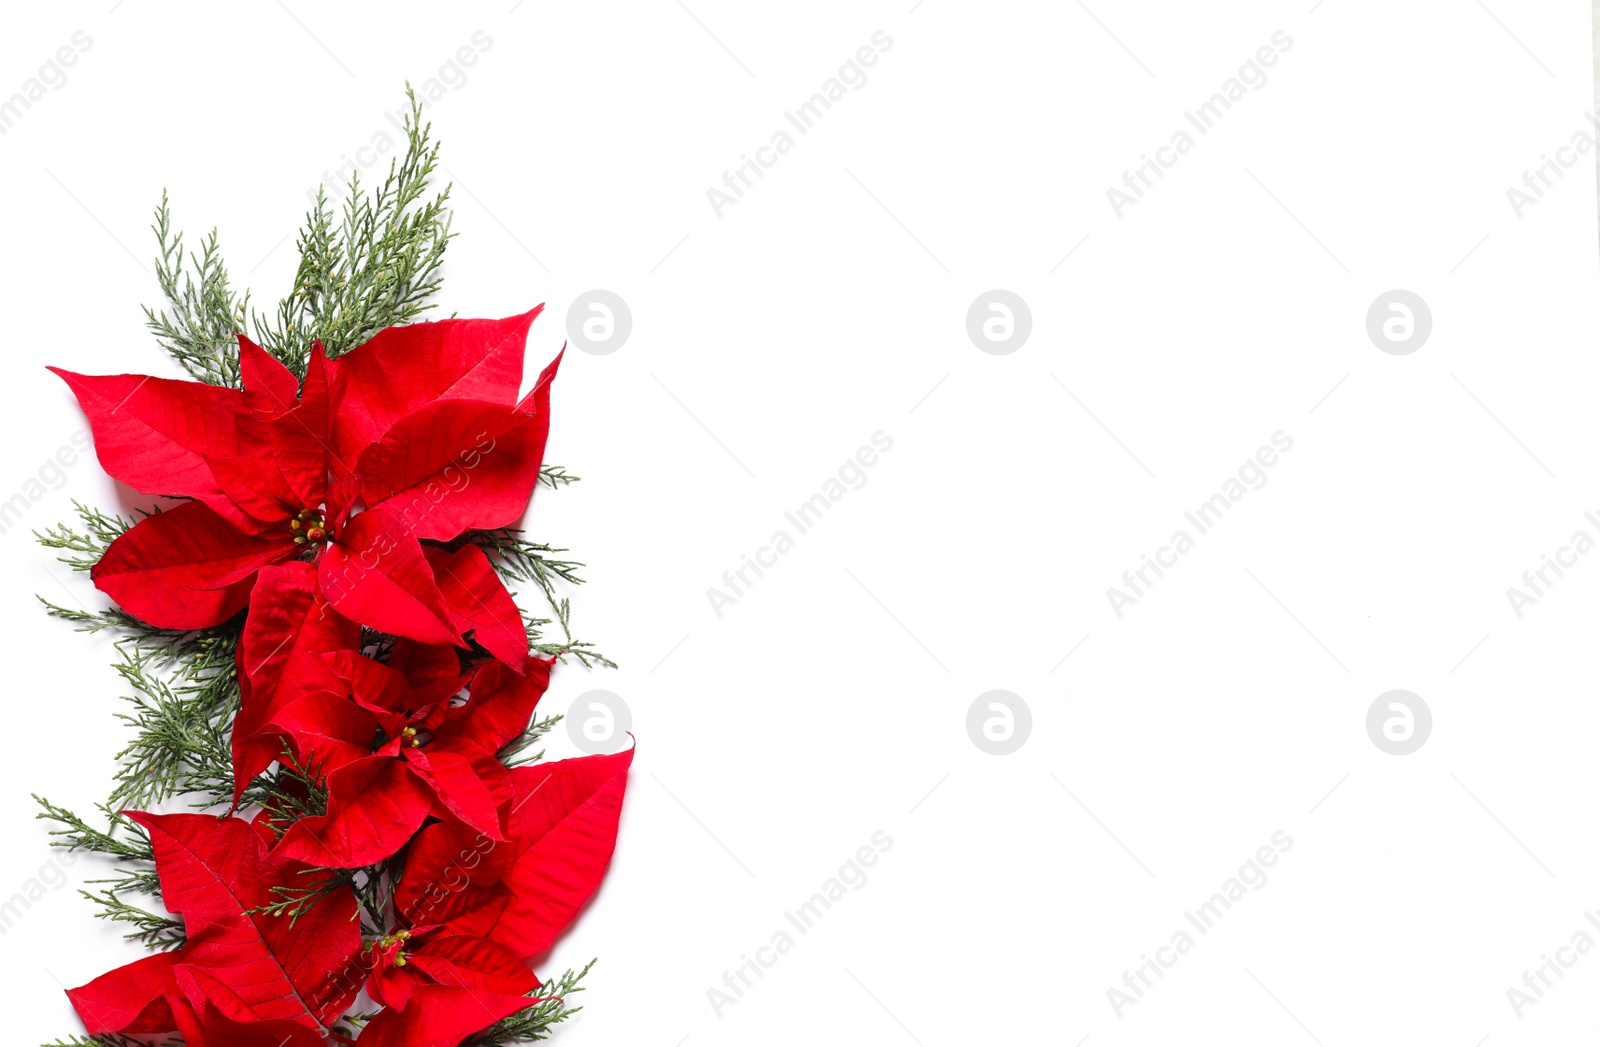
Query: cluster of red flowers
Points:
[383, 659]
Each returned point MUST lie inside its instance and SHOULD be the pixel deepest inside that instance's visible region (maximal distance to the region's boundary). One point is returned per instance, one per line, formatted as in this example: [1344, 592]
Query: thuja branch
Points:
[197, 648]
[204, 313]
[374, 887]
[80, 835]
[585, 652]
[536, 1022]
[181, 744]
[518, 559]
[512, 753]
[294, 792]
[376, 266]
[128, 844]
[150, 929]
[99, 531]
[295, 901]
[370, 264]
[556, 476]
[185, 692]
[182, 720]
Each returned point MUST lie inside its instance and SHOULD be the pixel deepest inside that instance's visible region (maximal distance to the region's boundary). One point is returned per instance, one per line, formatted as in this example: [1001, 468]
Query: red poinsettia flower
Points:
[395, 748]
[293, 625]
[524, 892]
[279, 658]
[241, 977]
[421, 426]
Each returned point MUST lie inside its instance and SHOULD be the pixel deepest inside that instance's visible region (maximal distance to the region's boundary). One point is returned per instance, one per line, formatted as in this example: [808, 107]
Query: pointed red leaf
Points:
[256, 486]
[490, 771]
[437, 465]
[456, 782]
[563, 828]
[374, 686]
[390, 697]
[328, 730]
[303, 440]
[474, 963]
[444, 861]
[280, 659]
[485, 912]
[478, 601]
[155, 434]
[209, 1027]
[403, 368]
[186, 568]
[342, 495]
[566, 829]
[495, 775]
[131, 999]
[270, 388]
[390, 984]
[375, 574]
[374, 807]
[455, 465]
[253, 967]
[440, 1016]
[499, 707]
[425, 663]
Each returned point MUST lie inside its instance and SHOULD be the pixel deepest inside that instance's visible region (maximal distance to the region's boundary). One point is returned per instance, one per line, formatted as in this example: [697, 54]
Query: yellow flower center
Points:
[309, 527]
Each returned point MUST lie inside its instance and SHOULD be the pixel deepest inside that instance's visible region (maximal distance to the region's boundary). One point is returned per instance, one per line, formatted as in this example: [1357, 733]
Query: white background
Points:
[830, 701]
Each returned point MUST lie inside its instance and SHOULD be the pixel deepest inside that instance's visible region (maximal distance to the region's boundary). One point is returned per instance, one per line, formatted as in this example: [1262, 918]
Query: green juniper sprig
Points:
[198, 332]
[294, 902]
[556, 476]
[373, 265]
[586, 653]
[377, 267]
[512, 753]
[536, 1022]
[152, 930]
[519, 560]
[79, 835]
[90, 544]
[127, 842]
